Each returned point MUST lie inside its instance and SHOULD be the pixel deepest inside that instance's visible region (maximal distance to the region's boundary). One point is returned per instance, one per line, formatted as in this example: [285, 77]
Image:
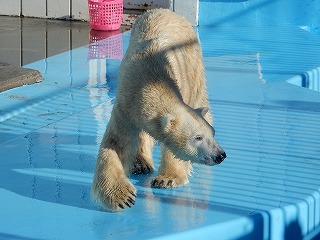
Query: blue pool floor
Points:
[266, 115]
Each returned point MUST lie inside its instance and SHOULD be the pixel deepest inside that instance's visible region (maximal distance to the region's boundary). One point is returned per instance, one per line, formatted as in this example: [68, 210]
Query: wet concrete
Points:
[26, 40]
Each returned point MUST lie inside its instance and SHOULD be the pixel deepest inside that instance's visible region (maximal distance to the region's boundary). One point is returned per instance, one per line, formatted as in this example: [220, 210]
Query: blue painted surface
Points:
[268, 187]
[260, 12]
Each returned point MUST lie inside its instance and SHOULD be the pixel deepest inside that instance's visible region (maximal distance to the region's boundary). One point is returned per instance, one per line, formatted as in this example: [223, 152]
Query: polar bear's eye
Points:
[198, 138]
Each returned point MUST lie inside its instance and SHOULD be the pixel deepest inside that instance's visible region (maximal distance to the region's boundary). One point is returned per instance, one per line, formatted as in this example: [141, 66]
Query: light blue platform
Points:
[263, 84]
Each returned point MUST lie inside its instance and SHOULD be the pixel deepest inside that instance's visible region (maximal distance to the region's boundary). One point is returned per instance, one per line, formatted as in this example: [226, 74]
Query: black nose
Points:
[220, 157]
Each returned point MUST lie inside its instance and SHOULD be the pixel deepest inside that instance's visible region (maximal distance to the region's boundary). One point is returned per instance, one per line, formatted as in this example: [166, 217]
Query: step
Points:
[11, 77]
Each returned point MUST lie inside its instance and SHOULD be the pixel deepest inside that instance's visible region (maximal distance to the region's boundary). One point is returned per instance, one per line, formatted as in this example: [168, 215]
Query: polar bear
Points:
[161, 96]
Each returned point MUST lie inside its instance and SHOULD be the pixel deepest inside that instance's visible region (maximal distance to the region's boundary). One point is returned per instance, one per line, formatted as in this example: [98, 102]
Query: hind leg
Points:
[142, 162]
[173, 172]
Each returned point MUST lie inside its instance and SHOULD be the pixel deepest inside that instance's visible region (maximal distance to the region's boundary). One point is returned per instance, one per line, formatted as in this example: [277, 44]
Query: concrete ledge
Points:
[11, 77]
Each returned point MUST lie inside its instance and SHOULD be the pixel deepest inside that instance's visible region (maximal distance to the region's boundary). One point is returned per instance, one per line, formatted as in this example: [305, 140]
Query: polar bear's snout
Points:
[203, 146]
[216, 158]
[220, 157]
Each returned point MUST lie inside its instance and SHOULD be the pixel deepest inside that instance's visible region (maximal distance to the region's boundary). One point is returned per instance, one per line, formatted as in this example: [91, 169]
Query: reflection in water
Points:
[56, 164]
[104, 45]
[98, 90]
[32, 164]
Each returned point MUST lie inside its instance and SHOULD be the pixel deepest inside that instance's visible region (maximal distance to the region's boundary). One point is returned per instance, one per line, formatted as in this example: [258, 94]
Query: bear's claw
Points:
[168, 182]
[129, 203]
[133, 194]
[120, 205]
[132, 201]
[160, 183]
[142, 168]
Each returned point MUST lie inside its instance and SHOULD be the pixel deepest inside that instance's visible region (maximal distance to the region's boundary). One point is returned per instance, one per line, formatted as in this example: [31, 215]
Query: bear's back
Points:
[164, 43]
[163, 25]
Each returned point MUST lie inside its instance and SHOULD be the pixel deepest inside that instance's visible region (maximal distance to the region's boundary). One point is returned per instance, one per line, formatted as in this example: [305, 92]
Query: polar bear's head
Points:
[190, 137]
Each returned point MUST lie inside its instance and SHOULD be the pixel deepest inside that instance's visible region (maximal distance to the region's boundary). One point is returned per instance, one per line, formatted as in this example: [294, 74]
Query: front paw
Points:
[114, 195]
[162, 181]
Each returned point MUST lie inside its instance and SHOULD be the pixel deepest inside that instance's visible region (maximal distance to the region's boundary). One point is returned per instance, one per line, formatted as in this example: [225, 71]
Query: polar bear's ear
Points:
[167, 121]
[202, 111]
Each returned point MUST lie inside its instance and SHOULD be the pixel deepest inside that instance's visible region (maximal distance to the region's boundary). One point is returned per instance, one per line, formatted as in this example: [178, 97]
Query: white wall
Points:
[62, 9]
[11, 7]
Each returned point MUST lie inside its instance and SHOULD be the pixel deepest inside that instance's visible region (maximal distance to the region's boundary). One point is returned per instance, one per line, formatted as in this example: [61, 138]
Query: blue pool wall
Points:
[284, 34]
[260, 12]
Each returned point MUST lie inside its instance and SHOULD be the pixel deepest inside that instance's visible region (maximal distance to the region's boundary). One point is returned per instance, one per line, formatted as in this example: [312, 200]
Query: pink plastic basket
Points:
[105, 14]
